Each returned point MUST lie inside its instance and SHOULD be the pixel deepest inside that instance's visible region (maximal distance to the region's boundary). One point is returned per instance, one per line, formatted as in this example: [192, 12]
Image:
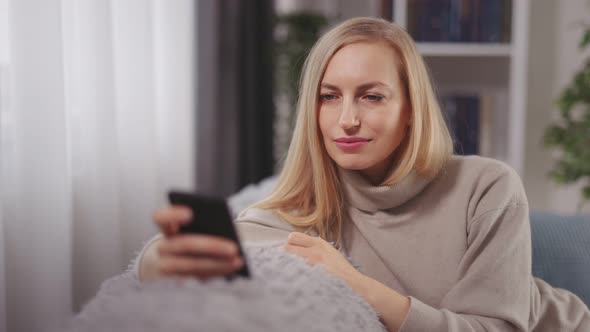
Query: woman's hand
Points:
[189, 255]
[391, 306]
[316, 250]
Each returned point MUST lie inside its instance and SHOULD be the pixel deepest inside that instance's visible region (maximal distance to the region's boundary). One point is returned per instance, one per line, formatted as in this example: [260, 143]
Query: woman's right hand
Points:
[189, 255]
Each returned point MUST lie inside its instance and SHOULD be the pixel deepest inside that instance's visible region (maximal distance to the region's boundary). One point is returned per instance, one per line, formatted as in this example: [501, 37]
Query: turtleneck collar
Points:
[363, 195]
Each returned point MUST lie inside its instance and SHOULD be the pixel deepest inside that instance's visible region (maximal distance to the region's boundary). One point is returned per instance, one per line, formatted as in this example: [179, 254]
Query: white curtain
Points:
[97, 103]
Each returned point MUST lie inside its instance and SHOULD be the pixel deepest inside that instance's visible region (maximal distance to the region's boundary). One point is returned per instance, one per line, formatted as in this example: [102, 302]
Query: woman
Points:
[443, 241]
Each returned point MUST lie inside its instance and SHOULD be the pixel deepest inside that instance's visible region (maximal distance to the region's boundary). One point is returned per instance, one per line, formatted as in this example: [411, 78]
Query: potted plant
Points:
[295, 34]
[571, 135]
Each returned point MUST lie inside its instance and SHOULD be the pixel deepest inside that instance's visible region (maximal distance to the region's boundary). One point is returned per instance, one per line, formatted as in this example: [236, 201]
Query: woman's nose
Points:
[349, 116]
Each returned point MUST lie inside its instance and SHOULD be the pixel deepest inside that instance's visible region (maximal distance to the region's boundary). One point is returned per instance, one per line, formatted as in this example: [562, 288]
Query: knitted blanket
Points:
[284, 294]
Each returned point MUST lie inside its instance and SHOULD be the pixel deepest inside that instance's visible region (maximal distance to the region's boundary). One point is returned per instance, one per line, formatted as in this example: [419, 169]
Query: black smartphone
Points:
[212, 217]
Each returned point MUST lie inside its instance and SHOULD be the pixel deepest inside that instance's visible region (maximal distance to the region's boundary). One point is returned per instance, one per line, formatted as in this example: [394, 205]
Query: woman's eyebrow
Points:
[370, 85]
[329, 87]
[362, 87]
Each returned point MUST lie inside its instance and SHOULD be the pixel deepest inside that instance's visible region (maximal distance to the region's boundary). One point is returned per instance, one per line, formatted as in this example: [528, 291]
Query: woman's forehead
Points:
[360, 63]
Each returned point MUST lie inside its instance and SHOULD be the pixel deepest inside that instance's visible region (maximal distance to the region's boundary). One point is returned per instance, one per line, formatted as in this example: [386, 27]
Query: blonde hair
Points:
[308, 192]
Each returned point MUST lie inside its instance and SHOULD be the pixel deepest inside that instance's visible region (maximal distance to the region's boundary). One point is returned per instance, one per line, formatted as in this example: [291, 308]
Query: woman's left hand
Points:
[316, 250]
[391, 306]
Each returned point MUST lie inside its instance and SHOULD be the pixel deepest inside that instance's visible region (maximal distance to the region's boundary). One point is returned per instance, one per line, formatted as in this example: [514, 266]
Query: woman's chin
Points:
[352, 166]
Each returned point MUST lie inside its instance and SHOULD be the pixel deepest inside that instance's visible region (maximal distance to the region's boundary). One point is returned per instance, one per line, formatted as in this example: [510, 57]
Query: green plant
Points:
[572, 134]
[295, 34]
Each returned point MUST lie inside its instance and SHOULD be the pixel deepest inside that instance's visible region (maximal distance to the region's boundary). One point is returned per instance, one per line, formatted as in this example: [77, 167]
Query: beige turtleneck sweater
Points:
[458, 245]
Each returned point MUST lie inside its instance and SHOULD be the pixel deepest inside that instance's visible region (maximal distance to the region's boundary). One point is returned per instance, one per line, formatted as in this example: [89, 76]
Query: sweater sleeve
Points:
[258, 227]
[493, 290]
[136, 262]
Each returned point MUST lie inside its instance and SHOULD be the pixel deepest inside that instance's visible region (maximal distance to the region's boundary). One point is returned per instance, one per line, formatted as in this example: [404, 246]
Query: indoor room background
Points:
[106, 105]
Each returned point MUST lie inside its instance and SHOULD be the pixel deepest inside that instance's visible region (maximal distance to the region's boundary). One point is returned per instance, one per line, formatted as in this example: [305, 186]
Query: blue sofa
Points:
[561, 251]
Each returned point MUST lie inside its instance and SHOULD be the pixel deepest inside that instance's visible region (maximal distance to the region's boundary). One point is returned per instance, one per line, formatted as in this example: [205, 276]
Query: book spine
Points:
[429, 20]
[468, 124]
[455, 20]
[491, 21]
[507, 22]
[462, 114]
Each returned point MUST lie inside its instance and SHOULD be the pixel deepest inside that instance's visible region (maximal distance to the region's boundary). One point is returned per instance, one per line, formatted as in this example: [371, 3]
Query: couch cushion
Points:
[561, 251]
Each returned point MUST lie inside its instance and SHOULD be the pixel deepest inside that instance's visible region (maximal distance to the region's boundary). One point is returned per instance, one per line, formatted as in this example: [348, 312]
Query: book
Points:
[487, 108]
[483, 21]
[429, 20]
[491, 25]
[462, 113]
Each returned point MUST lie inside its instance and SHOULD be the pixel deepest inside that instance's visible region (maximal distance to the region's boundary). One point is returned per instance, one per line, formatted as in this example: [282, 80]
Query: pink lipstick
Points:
[350, 143]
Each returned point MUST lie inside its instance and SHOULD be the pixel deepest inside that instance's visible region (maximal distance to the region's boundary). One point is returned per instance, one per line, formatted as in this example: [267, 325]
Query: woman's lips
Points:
[350, 143]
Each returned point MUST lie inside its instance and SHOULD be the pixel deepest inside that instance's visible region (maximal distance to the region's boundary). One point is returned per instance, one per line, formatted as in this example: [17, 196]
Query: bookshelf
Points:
[464, 49]
[494, 71]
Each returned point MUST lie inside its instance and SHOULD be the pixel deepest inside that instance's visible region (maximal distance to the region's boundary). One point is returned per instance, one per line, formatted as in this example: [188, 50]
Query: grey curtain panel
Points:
[235, 94]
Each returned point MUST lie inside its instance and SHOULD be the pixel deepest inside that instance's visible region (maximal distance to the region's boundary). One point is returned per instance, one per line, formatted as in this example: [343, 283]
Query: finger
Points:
[170, 218]
[198, 245]
[202, 267]
[302, 252]
[301, 239]
[173, 214]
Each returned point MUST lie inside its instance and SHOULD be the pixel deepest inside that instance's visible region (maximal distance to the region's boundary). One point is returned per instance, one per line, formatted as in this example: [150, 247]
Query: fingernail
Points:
[229, 248]
[238, 262]
[187, 214]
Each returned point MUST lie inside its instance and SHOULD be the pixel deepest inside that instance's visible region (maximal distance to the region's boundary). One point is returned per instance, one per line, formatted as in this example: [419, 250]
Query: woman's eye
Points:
[328, 97]
[374, 98]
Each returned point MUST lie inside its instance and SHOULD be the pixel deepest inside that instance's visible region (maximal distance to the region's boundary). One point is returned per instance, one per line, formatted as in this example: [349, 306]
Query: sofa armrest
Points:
[561, 251]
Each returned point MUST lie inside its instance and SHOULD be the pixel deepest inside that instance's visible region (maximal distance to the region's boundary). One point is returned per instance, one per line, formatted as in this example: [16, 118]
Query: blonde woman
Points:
[444, 241]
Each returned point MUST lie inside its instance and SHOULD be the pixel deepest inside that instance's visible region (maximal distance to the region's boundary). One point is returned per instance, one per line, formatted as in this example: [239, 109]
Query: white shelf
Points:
[474, 64]
[464, 49]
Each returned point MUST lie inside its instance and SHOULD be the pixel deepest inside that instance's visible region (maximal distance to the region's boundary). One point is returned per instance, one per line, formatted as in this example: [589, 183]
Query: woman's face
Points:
[363, 112]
